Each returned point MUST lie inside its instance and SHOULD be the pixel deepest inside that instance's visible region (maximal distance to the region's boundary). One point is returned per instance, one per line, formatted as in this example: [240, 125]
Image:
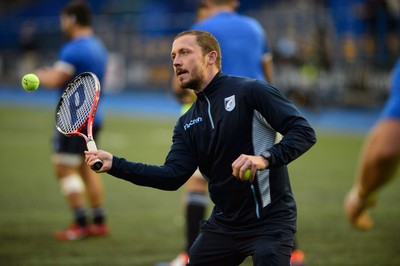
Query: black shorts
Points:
[213, 248]
[73, 144]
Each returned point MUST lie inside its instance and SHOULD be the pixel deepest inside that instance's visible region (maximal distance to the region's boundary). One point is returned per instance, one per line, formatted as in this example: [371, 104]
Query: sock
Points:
[195, 210]
[98, 215]
[80, 217]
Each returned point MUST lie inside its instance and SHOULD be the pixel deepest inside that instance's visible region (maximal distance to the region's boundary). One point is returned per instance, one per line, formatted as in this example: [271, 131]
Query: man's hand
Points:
[244, 162]
[92, 156]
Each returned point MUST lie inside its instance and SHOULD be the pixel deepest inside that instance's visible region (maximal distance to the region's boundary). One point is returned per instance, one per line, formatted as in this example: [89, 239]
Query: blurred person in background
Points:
[378, 161]
[245, 52]
[83, 52]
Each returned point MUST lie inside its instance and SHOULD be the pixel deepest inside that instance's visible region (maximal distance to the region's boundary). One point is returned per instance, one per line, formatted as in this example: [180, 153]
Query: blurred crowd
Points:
[326, 52]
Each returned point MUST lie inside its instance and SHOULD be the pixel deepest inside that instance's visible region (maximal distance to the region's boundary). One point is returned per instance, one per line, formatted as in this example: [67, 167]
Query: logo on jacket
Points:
[192, 122]
[230, 103]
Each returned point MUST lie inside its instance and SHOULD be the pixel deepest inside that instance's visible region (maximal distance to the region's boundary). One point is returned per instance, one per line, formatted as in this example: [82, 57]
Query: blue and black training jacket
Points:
[233, 116]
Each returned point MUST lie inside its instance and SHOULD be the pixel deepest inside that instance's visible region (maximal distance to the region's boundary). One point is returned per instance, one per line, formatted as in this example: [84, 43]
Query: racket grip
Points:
[91, 146]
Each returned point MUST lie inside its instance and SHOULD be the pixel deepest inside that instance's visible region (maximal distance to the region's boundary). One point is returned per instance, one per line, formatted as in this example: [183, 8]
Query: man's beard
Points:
[194, 83]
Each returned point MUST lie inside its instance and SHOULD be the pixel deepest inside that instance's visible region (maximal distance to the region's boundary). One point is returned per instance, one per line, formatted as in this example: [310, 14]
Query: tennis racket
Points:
[77, 107]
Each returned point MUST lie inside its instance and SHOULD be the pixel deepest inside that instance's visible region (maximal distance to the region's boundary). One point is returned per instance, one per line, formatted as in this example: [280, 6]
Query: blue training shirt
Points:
[86, 54]
[243, 43]
[392, 106]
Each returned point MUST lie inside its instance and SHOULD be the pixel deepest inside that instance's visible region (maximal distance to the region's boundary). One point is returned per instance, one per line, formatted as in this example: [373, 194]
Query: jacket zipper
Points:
[253, 190]
[209, 111]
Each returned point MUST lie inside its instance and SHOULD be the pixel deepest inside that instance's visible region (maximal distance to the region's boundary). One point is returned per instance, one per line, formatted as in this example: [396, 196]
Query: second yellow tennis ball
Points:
[30, 82]
[246, 175]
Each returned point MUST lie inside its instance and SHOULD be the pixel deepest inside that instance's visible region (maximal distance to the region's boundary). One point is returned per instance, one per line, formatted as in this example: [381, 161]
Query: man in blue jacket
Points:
[231, 127]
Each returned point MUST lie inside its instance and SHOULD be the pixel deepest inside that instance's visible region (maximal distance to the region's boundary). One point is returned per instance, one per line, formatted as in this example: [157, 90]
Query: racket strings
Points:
[76, 105]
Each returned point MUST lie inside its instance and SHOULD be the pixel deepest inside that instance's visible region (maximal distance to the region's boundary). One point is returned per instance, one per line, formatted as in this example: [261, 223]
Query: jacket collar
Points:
[213, 85]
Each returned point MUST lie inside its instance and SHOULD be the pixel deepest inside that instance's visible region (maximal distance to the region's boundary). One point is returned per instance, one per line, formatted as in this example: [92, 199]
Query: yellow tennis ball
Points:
[246, 176]
[30, 82]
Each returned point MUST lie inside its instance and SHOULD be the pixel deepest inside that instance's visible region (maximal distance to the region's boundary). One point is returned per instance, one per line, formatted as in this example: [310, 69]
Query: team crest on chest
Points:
[230, 103]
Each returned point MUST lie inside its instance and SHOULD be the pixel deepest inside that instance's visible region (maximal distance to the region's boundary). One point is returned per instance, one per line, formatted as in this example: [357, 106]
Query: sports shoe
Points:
[356, 210]
[74, 232]
[98, 230]
[180, 260]
[297, 258]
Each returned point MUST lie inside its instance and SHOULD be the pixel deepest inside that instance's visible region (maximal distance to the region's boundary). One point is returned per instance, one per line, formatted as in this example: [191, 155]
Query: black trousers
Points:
[272, 248]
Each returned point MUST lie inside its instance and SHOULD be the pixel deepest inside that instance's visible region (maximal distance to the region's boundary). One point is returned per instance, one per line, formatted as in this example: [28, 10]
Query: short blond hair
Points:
[207, 43]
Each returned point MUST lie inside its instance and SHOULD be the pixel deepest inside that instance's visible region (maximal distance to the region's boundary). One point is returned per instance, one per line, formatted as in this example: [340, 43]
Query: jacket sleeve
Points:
[283, 116]
[177, 169]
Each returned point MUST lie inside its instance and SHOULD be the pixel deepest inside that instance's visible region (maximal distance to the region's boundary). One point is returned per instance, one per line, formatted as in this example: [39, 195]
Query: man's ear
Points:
[212, 57]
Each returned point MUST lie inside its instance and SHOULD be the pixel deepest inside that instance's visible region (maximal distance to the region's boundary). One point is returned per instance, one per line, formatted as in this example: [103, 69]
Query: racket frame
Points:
[90, 143]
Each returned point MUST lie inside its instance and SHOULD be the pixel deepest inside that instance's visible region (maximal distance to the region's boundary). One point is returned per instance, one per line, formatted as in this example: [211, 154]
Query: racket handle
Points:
[91, 146]
[98, 165]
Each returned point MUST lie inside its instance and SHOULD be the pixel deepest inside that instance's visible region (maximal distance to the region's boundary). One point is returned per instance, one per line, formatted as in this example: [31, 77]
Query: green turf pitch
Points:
[147, 224]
